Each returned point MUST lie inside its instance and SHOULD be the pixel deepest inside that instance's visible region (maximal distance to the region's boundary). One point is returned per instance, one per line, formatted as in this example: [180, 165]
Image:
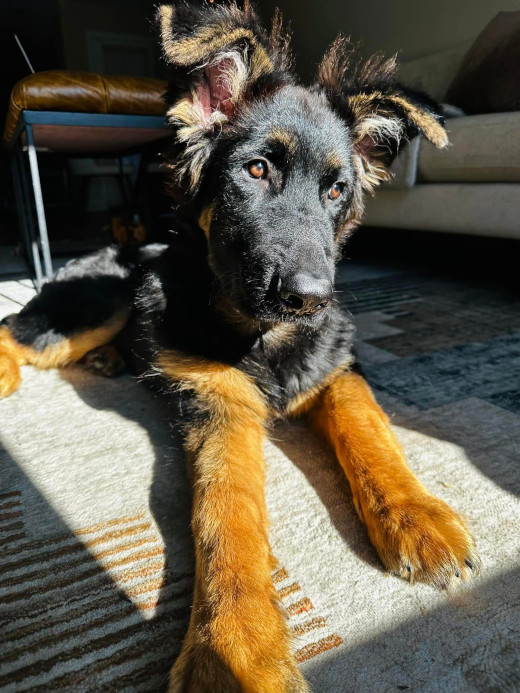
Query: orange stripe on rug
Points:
[306, 630]
[291, 589]
[70, 557]
[316, 648]
[316, 622]
[280, 575]
[68, 538]
[125, 519]
[117, 534]
[300, 606]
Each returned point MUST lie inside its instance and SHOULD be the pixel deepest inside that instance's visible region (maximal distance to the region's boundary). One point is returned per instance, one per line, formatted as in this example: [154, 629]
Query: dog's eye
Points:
[336, 191]
[257, 169]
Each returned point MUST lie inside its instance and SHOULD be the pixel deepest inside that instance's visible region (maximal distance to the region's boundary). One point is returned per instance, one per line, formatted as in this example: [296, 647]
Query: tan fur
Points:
[408, 526]
[333, 161]
[280, 42]
[379, 121]
[304, 401]
[279, 335]
[211, 40]
[206, 217]
[193, 132]
[69, 350]
[285, 138]
[237, 638]
[433, 130]
[165, 21]
[376, 119]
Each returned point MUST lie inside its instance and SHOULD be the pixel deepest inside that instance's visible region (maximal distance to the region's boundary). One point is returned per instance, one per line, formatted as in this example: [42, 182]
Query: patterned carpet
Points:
[96, 564]
[446, 341]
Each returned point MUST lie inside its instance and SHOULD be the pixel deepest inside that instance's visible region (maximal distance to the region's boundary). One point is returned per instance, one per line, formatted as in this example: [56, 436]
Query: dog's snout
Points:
[302, 293]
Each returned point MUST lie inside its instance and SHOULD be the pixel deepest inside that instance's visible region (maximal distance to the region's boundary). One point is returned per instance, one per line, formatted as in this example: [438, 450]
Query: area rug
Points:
[96, 558]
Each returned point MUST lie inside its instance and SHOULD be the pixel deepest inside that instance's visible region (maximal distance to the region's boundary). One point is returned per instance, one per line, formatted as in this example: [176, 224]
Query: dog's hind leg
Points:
[416, 534]
[69, 318]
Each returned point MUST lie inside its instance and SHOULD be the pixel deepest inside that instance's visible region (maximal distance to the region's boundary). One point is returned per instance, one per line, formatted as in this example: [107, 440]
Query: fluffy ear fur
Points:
[381, 113]
[220, 58]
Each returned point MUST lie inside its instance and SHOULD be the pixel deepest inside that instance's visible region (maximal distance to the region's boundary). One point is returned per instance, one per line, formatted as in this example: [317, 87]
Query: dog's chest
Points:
[287, 361]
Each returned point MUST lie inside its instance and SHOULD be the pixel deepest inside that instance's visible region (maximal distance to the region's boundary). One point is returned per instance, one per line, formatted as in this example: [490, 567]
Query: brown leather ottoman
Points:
[76, 112]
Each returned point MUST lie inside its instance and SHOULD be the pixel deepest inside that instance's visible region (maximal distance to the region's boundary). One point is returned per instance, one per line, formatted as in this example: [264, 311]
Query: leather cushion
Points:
[84, 92]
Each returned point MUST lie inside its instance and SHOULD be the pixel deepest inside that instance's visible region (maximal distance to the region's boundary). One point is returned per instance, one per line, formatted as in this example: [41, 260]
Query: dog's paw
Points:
[199, 669]
[423, 539]
[10, 377]
[104, 360]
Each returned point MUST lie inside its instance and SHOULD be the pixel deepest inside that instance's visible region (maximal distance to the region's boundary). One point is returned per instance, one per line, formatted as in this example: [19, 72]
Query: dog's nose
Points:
[301, 293]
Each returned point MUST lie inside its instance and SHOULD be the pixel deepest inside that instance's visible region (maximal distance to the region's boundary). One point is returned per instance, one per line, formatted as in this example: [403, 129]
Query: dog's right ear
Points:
[220, 58]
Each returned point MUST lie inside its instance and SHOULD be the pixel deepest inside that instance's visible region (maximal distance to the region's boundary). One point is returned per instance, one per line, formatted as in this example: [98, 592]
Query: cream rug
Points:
[96, 564]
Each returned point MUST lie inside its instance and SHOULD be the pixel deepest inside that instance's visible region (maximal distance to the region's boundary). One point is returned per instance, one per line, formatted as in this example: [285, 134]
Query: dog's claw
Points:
[432, 545]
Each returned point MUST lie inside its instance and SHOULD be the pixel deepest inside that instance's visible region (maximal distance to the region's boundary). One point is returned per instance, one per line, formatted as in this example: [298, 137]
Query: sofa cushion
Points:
[488, 209]
[483, 148]
[488, 80]
[433, 73]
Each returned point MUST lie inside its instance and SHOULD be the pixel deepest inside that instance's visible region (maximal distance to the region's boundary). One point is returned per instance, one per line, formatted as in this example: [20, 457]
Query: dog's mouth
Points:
[249, 301]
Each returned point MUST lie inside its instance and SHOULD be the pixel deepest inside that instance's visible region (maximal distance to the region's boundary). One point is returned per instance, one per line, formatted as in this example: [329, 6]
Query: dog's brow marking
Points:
[333, 161]
[285, 138]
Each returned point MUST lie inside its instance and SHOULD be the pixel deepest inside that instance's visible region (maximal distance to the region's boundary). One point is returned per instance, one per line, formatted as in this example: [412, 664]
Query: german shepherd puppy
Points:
[235, 320]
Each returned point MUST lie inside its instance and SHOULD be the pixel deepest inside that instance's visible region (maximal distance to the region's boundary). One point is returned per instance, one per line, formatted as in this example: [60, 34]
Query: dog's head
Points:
[276, 173]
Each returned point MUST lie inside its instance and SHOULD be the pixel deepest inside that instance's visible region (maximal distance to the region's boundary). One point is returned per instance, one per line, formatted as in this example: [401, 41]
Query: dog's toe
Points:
[425, 540]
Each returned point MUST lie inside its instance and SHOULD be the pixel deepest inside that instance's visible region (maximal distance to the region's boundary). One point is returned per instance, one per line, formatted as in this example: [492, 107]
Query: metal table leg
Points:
[38, 200]
[24, 210]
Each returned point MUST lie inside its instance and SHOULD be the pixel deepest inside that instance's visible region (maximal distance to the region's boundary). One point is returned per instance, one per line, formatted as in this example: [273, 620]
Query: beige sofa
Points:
[473, 187]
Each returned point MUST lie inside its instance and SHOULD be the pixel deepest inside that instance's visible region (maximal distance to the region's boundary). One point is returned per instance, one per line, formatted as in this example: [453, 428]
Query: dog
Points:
[235, 322]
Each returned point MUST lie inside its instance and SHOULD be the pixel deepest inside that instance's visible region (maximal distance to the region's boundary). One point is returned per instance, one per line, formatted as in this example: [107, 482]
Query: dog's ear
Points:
[219, 58]
[381, 114]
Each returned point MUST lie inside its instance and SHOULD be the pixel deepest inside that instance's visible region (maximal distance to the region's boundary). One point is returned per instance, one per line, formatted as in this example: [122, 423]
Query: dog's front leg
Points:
[237, 638]
[416, 534]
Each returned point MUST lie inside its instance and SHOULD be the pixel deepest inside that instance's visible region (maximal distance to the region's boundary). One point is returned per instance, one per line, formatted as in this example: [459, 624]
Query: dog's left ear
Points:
[220, 58]
[381, 114]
